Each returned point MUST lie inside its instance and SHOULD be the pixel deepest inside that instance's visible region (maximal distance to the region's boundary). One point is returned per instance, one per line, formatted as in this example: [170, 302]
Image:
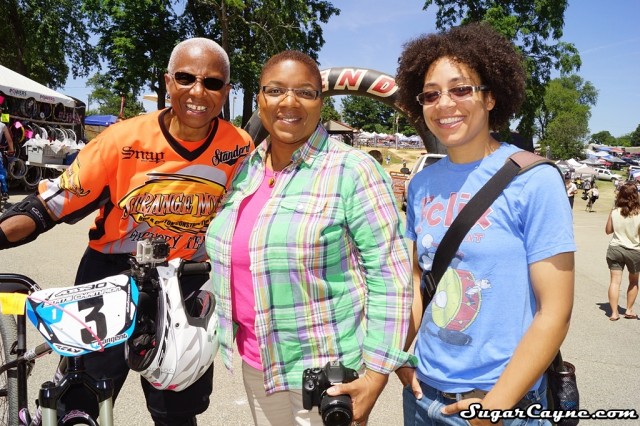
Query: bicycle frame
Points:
[149, 256]
[50, 393]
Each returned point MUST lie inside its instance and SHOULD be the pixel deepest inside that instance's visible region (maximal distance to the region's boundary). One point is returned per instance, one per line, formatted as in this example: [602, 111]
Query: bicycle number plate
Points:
[64, 315]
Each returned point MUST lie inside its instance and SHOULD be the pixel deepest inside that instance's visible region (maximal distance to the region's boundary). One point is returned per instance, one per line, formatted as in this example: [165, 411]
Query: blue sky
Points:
[370, 34]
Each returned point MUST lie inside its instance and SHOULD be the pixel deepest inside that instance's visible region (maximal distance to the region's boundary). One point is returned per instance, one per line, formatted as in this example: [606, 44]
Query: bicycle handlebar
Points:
[17, 283]
[198, 268]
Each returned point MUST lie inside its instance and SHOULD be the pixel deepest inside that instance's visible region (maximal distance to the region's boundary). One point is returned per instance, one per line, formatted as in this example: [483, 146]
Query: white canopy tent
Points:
[19, 86]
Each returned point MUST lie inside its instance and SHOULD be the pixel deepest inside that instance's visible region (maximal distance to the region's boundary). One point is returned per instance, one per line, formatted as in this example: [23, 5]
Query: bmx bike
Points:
[63, 317]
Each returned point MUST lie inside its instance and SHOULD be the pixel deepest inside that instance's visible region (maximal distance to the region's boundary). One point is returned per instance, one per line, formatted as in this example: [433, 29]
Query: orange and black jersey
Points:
[145, 183]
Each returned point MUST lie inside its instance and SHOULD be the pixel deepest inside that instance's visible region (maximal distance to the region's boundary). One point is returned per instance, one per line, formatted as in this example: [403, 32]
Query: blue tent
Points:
[100, 120]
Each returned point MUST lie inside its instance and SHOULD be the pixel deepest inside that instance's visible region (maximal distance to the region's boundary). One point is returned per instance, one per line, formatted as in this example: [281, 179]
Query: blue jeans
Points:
[426, 411]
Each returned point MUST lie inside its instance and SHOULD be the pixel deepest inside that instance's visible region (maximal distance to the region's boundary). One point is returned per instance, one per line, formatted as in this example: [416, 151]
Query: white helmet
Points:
[177, 348]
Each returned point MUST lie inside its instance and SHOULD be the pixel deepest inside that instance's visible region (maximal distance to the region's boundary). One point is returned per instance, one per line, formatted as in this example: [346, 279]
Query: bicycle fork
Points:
[50, 394]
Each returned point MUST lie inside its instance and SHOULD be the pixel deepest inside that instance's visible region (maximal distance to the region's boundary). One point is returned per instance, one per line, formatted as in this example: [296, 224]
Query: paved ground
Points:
[605, 353]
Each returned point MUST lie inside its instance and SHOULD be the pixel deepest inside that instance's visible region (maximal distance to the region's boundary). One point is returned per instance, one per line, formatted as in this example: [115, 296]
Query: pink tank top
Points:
[242, 296]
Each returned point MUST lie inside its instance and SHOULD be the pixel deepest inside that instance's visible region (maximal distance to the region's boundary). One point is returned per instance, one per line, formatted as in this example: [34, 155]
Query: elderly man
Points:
[184, 152]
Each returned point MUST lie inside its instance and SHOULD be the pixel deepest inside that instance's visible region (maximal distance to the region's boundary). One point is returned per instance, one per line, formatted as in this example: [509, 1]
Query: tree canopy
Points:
[328, 111]
[136, 37]
[41, 38]
[604, 138]
[367, 114]
[563, 118]
[635, 137]
[108, 101]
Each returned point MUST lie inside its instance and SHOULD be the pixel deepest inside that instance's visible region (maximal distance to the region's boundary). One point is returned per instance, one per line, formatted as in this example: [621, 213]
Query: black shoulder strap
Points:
[517, 163]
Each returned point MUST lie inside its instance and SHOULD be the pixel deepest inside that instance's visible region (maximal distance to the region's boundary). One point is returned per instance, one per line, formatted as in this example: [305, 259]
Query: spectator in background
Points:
[624, 248]
[592, 195]
[4, 188]
[571, 187]
[377, 155]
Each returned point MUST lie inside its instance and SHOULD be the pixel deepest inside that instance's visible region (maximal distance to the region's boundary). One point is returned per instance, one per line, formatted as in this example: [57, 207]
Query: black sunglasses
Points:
[188, 80]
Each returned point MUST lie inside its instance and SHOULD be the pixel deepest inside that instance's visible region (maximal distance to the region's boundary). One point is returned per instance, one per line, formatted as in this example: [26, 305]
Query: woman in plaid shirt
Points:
[309, 261]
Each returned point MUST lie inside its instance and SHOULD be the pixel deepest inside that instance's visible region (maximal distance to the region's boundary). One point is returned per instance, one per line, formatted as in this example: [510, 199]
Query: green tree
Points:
[328, 111]
[135, 39]
[109, 101]
[137, 36]
[563, 117]
[367, 114]
[404, 126]
[561, 95]
[624, 140]
[268, 27]
[635, 137]
[533, 25]
[564, 136]
[38, 36]
[604, 138]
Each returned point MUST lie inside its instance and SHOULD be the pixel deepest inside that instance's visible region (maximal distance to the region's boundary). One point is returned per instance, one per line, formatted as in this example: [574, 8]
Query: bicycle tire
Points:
[32, 177]
[71, 135]
[8, 379]
[17, 169]
[29, 107]
[45, 110]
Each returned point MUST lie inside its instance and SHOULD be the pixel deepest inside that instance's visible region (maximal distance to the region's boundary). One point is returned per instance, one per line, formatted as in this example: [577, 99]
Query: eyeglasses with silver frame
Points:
[458, 93]
[277, 92]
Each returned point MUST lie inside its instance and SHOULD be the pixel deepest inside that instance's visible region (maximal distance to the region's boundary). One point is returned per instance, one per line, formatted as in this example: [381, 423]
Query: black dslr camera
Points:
[334, 410]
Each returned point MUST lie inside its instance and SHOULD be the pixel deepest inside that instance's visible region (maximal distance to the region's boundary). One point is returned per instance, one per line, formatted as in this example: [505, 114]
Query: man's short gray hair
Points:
[204, 44]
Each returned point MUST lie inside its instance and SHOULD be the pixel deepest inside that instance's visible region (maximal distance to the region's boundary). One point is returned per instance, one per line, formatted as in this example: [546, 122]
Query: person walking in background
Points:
[592, 195]
[572, 188]
[624, 247]
[308, 257]
[517, 262]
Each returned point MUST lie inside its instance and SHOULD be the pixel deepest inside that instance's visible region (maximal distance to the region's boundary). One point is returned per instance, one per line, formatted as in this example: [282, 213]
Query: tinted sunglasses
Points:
[188, 80]
[458, 93]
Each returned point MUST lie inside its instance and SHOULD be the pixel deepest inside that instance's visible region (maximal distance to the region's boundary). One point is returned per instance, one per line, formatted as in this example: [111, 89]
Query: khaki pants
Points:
[278, 409]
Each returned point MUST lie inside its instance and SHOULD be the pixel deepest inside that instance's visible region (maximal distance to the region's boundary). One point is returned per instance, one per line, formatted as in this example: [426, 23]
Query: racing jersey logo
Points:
[173, 202]
[70, 180]
[230, 157]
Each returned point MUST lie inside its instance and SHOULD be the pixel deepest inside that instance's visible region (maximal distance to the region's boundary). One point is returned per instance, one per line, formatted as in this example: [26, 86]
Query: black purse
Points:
[562, 388]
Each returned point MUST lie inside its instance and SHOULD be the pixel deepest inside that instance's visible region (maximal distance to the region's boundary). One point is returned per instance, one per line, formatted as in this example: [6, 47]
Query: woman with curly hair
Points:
[503, 307]
[624, 247]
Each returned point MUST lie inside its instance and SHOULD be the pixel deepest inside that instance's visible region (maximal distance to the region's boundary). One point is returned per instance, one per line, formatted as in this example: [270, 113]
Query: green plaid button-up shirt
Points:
[330, 267]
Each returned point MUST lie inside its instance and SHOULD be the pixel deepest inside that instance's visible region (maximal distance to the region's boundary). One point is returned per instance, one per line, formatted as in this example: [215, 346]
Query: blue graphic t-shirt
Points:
[484, 302]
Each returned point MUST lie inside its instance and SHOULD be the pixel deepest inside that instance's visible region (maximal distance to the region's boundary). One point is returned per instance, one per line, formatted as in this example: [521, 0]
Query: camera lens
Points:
[336, 410]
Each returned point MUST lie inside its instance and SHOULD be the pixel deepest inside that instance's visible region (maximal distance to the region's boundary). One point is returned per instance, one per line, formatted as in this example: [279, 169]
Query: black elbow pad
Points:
[32, 207]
